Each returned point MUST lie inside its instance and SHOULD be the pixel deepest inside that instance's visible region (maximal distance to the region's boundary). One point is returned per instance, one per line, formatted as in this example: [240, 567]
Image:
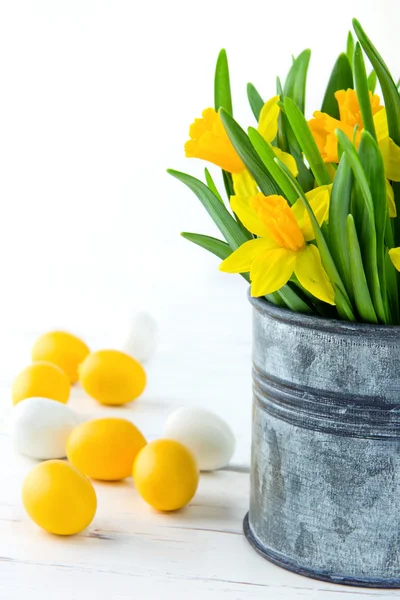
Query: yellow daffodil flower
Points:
[278, 252]
[209, 140]
[323, 128]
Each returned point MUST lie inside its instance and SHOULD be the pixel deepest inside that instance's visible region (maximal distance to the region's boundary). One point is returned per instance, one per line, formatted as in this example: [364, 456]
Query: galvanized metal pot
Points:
[325, 473]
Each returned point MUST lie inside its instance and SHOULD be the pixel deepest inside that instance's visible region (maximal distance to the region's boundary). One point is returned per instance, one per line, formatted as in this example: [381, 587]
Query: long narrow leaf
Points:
[350, 48]
[345, 312]
[212, 186]
[228, 183]
[326, 256]
[281, 137]
[295, 89]
[388, 86]
[293, 301]
[372, 81]
[295, 84]
[339, 208]
[213, 245]
[372, 164]
[255, 100]
[360, 76]
[367, 233]
[249, 156]
[362, 296]
[267, 156]
[340, 79]
[222, 86]
[306, 142]
[227, 225]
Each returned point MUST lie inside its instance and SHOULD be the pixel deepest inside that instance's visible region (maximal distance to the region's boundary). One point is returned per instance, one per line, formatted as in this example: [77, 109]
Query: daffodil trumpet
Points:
[310, 218]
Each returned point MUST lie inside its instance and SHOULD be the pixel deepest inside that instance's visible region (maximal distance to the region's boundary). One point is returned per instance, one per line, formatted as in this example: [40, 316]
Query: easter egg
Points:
[166, 474]
[105, 448]
[142, 338]
[59, 498]
[40, 427]
[41, 379]
[62, 349]
[112, 377]
[207, 435]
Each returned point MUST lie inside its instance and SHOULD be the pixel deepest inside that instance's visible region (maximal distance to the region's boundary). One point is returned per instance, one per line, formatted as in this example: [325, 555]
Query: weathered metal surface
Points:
[325, 476]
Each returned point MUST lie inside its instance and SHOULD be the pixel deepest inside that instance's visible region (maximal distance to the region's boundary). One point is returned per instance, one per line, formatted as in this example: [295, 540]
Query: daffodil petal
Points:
[248, 216]
[319, 200]
[391, 158]
[272, 270]
[381, 125]
[312, 275]
[287, 160]
[394, 254]
[390, 200]
[244, 184]
[268, 121]
[242, 259]
[209, 141]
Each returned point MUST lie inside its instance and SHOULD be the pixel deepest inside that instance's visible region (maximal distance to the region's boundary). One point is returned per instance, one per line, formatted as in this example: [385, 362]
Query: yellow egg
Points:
[41, 379]
[166, 474]
[59, 498]
[112, 377]
[62, 349]
[105, 448]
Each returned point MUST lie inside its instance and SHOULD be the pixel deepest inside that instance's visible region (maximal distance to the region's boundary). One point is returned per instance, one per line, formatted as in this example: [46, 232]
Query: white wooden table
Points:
[129, 550]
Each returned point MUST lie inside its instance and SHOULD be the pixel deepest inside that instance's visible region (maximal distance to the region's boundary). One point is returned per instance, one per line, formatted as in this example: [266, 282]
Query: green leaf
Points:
[388, 86]
[213, 245]
[228, 183]
[372, 164]
[339, 208]
[307, 143]
[295, 88]
[267, 155]
[293, 301]
[362, 296]
[343, 308]
[212, 186]
[326, 256]
[281, 137]
[372, 81]
[341, 79]
[295, 84]
[350, 48]
[227, 225]
[255, 100]
[367, 234]
[249, 156]
[222, 86]
[360, 76]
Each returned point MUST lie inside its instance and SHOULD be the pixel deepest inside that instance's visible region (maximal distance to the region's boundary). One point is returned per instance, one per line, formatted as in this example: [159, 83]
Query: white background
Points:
[96, 100]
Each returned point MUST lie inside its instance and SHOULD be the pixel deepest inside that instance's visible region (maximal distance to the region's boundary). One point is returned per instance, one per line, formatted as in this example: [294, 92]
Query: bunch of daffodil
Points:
[310, 218]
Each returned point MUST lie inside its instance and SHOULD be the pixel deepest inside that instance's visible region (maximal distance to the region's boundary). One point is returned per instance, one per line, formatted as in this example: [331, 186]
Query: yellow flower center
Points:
[276, 215]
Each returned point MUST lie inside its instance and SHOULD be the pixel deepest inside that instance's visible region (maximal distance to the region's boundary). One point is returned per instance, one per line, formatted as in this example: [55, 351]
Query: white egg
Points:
[142, 339]
[40, 427]
[208, 436]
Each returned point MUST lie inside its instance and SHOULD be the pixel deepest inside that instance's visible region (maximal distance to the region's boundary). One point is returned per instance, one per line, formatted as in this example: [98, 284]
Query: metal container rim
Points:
[320, 323]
